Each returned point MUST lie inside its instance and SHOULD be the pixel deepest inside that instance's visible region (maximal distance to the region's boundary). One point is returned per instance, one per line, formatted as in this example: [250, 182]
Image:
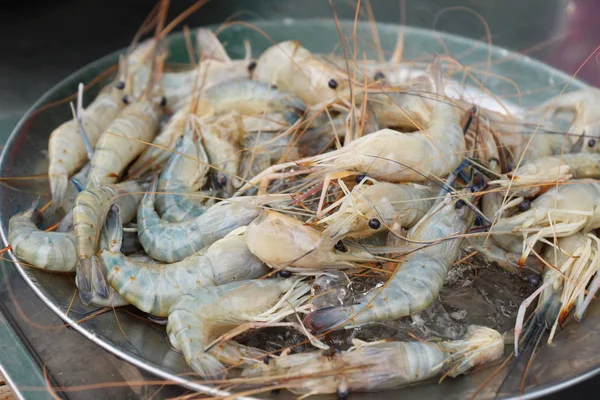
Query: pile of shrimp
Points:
[217, 197]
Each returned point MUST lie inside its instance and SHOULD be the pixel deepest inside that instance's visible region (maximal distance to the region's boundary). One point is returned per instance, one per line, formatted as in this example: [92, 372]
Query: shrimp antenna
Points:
[78, 118]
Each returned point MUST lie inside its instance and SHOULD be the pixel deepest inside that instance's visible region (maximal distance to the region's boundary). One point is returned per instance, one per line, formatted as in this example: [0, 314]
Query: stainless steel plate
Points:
[575, 355]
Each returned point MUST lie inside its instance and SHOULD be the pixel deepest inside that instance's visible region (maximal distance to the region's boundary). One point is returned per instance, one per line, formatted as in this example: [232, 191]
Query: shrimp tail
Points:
[207, 366]
[83, 280]
[328, 318]
[100, 285]
[59, 178]
[113, 228]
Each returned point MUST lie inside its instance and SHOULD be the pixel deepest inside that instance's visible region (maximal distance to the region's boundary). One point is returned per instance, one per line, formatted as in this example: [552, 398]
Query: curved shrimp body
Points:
[153, 288]
[201, 316]
[123, 141]
[418, 279]
[368, 209]
[298, 245]
[291, 67]
[66, 149]
[89, 213]
[171, 242]
[184, 173]
[53, 251]
[401, 108]
[559, 212]
[550, 170]
[222, 137]
[380, 365]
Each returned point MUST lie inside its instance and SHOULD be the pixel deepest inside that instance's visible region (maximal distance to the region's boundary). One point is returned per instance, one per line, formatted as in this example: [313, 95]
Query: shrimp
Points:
[52, 251]
[291, 67]
[154, 288]
[550, 170]
[298, 245]
[242, 95]
[198, 317]
[222, 137]
[561, 211]
[379, 365]
[171, 242]
[581, 105]
[418, 279]
[387, 154]
[89, 213]
[575, 260]
[368, 209]
[184, 173]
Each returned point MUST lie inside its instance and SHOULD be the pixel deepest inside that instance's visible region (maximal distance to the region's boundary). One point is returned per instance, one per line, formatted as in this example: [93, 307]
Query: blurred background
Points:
[43, 42]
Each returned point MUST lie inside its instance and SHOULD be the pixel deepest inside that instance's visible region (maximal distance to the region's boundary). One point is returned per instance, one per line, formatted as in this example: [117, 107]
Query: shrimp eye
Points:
[284, 273]
[332, 83]
[163, 101]
[125, 99]
[533, 279]
[120, 85]
[267, 359]
[379, 76]
[591, 142]
[459, 204]
[524, 205]
[359, 178]
[374, 223]
[342, 394]
[340, 246]
[252, 66]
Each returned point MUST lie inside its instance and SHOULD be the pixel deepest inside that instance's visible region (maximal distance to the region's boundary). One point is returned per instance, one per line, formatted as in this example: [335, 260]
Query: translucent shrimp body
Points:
[201, 316]
[298, 245]
[174, 241]
[380, 365]
[561, 211]
[153, 288]
[393, 206]
[66, 149]
[123, 141]
[291, 67]
[419, 277]
[53, 251]
[89, 213]
[184, 173]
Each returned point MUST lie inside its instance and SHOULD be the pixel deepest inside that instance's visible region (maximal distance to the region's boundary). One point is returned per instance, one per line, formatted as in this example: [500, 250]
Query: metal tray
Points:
[573, 358]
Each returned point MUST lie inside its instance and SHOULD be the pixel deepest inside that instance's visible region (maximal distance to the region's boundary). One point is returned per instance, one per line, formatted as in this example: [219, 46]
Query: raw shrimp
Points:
[561, 211]
[368, 209]
[575, 260]
[183, 175]
[291, 67]
[123, 141]
[418, 278]
[550, 170]
[203, 315]
[153, 288]
[242, 95]
[389, 155]
[89, 213]
[378, 365]
[171, 242]
[222, 137]
[53, 251]
[298, 245]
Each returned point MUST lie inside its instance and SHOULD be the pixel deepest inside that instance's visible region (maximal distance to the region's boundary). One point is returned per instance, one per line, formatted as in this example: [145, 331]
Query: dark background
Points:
[42, 42]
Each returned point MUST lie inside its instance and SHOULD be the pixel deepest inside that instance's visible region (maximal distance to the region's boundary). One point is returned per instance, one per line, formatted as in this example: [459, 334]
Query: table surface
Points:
[43, 42]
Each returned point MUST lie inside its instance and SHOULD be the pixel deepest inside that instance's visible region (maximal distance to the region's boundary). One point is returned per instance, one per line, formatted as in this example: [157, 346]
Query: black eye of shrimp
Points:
[332, 83]
[120, 85]
[163, 101]
[340, 246]
[359, 178]
[379, 76]
[284, 273]
[459, 204]
[125, 99]
[374, 223]
[591, 142]
[252, 66]
[524, 205]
